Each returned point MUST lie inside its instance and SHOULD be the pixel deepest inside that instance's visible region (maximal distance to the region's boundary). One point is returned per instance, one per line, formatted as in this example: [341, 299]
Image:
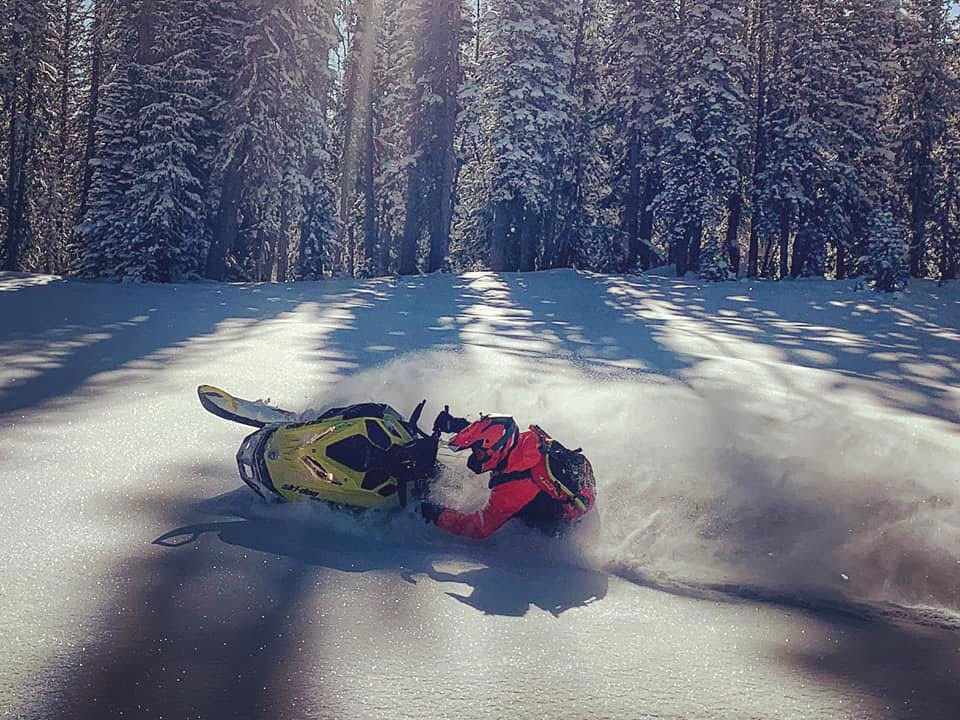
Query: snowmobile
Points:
[360, 456]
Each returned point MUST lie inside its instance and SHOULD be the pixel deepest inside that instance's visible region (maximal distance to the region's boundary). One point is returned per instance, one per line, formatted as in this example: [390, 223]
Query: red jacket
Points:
[522, 481]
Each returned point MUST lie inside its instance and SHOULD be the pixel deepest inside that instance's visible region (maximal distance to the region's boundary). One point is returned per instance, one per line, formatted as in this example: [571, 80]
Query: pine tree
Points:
[275, 129]
[57, 202]
[632, 101]
[530, 113]
[862, 165]
[165, 201]
[947, 189]
[107, 223]
[886, 261]
[27, 105]
[921, 113]
[438, 32]
[708, 125]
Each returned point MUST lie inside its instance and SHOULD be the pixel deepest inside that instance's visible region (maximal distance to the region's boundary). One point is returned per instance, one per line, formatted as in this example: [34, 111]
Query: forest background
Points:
[277, 140]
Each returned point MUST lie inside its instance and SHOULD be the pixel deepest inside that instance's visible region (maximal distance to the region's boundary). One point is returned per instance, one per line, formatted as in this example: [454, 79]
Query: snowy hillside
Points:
[777, 535]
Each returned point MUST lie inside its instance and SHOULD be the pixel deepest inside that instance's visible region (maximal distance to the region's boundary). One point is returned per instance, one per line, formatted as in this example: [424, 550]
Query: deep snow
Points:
[754, 442]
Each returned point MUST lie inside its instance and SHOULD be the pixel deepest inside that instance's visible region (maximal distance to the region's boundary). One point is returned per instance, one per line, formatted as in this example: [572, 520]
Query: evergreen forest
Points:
[279, 140]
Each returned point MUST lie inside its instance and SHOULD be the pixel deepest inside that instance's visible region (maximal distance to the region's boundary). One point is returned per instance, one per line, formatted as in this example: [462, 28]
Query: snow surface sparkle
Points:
[778, 533]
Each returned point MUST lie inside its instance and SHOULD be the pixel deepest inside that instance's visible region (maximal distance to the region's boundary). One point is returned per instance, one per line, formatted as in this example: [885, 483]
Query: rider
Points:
[532, 477]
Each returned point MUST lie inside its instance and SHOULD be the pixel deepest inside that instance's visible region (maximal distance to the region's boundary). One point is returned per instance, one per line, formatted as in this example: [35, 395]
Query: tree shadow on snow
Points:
[897, 351]
[58, 336]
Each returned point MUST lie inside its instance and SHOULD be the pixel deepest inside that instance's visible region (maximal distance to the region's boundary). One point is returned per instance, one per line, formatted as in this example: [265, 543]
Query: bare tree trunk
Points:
[784, 238]
[499, 236]
[445, 136]
[358, 86]
[12, 240]
[93, 107]
[696, 241]
[734, 214]
[225, 225]
[476, 56]
[764, 270]
[283, 249]
[683, 249]
[429, 200]
[645, 234]
[841, 262]
[801, 243]
[529, 240]
[631, 208]
[370, 229]
[21, 157]
[760, 141]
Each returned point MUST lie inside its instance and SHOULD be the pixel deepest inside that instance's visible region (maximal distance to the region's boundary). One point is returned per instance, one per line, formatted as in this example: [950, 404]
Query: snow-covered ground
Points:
[778, 533]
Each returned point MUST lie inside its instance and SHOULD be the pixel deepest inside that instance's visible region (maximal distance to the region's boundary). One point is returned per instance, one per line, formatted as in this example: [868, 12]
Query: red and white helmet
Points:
[491, 439]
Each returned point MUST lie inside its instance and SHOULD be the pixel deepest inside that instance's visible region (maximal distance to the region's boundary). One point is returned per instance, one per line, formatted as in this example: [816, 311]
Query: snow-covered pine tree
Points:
[167, 240]
[26, 105]
[106, 225]
[363, 21]
[707, 127]
[273, 121]
[633, 95]
[574, 231]
[761, 19]
[886, 261]
[947, 197]
[438, 31]
[381, 208]
[318, 224]
[862, 164]
[798, 135]
[55, 203]
[714, 262]
[529, 115]
[920, 115]
[472, 212]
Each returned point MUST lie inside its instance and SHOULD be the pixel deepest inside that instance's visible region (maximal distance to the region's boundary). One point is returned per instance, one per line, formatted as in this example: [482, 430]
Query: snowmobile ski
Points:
[247, 412]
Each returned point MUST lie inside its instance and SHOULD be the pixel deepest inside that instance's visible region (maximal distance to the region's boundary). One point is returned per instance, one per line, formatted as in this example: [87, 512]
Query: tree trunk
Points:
[283, 249]
[358, 87]
[760, 141]
[225, 225]
[696, 241]
[412, 224]
[801, 244]
[631, 208]
[499, 235]
[841, 262]
[784, 238]
[682, 250]
[12, 240]
[445, 134]
[370, 225]
[529, 240]
[918, 223]
[734, 214]
[93, 105]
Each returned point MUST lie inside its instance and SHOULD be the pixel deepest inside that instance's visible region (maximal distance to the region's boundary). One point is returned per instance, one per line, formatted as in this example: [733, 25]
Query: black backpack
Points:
[569, 470]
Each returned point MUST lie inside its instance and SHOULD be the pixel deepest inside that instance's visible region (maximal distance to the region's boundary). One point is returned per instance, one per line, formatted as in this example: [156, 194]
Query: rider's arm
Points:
[505, 501]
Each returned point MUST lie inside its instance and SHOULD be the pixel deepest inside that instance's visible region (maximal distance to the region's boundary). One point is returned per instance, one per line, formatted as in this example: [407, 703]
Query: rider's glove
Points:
[430, 512]
[447, 423]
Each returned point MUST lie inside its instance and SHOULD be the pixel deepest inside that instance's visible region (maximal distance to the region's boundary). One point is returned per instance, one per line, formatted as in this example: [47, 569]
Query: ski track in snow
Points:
[777, 480]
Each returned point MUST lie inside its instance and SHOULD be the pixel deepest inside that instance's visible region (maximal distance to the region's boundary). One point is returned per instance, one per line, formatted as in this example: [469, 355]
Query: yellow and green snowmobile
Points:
[361, 456]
